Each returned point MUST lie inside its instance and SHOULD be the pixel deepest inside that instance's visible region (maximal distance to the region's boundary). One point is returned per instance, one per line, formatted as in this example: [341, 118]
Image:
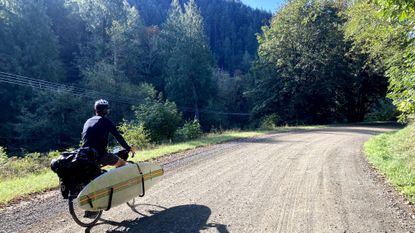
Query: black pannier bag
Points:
[75, 168]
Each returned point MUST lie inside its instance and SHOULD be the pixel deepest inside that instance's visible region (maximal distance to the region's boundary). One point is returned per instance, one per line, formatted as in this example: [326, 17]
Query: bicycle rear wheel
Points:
[80, 216]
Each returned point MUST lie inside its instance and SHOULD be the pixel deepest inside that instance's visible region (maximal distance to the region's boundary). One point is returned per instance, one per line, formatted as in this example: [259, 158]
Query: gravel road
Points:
[300, 181]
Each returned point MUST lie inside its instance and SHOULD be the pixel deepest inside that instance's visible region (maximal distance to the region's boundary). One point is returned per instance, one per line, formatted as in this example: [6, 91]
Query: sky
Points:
[270, 5]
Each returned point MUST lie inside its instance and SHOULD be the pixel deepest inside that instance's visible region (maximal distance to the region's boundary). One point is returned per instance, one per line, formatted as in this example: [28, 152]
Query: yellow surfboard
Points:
[119, 185]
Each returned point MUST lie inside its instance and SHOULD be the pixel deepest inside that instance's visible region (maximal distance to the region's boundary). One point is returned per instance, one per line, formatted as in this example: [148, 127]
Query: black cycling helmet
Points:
[101, 105]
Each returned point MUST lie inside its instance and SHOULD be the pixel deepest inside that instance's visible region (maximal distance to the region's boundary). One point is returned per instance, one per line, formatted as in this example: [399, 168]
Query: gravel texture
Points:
[300, 181]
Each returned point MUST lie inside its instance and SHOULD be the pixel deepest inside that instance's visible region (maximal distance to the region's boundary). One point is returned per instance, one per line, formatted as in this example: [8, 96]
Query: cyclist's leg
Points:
[120, 163]
[109, 159]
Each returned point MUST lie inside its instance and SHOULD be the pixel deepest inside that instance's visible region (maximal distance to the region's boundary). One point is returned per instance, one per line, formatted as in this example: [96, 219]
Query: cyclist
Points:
[95, 135]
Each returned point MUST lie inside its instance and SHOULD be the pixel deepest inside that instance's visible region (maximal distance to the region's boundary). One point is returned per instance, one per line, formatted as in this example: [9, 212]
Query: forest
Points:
[174, 69]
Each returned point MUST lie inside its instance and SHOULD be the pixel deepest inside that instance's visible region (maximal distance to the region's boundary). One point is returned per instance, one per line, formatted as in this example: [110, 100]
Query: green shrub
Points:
[54, 154]
[215, 130]
[270, 122]
[160, 119]
[384, 110]
[190, 130]
[134, 134]
[3, 156]
[33, 163]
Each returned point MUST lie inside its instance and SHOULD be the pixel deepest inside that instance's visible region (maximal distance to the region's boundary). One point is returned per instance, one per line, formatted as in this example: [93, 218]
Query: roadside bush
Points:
[33, 163]
[190, 130]
[215, 130]
[3, 157]
[411, 119]
[134, 134]
[270, 122]
[384, 110]
[160, 119]
[55, 154]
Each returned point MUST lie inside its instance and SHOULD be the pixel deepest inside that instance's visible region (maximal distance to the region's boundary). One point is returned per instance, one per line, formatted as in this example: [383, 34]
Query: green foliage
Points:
[230, 25]
[134, 134]
[37, 56]
[190, 130]
[397, 9]
[388, 39]
[104, 77]
[33, 163]
[270, 122]
[382, 111]
[55, 154]
[28, 46]
[27, 165]
[3, 156]
[51, 121]
[370, 34]
[104, 46]
[189, 62]
[306, 72]
[402, 83]
[114, 28]
[160, 119]
[229, 98]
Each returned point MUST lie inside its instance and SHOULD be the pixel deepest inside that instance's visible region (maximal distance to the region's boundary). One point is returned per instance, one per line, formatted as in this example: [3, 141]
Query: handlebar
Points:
[123, 154]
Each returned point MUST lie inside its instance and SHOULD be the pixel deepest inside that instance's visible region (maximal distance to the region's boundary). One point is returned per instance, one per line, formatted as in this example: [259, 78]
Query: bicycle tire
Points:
[77, 217]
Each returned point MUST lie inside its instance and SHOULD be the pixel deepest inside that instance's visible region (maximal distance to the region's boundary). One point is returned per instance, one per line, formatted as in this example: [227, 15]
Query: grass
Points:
[393, 154]
[23, 186]
[14, 188]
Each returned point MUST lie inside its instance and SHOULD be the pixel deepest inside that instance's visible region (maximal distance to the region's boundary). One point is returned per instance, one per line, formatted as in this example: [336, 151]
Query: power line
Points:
[226, 113]
[88, 93]
[59, 88]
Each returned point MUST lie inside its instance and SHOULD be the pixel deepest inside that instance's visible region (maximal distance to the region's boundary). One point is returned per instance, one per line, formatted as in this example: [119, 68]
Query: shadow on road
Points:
[369, 129]
[185, 218]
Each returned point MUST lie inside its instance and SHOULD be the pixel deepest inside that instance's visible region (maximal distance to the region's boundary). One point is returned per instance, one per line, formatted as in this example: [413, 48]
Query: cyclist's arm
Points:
[117, 135]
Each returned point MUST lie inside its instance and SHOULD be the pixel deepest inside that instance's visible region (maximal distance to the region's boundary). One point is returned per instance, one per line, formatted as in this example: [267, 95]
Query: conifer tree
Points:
[188, 57]
[28, 47]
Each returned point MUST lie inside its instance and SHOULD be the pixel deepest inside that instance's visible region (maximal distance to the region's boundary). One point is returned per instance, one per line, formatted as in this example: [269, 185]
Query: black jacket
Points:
[96, 131]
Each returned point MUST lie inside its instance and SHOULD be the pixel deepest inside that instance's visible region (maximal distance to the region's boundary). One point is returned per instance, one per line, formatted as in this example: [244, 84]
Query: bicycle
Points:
[80, 216]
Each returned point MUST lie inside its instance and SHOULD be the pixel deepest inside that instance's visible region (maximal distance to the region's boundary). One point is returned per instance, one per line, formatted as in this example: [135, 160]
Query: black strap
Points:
[110, 199]
[142, 181]
[90, 202]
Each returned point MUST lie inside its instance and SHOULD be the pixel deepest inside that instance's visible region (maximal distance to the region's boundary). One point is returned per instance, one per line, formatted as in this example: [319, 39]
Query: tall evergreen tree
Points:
[114, 29]
[229, 25]
[28, 47]
[189, 62]
[110, 58]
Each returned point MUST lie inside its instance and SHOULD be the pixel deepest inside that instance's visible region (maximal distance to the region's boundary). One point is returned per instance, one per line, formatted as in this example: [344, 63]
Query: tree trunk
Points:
[195, 100]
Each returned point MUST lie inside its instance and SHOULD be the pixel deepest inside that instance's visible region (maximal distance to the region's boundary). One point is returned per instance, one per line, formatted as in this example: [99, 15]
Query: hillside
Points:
[230, 25]
[116, 48]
